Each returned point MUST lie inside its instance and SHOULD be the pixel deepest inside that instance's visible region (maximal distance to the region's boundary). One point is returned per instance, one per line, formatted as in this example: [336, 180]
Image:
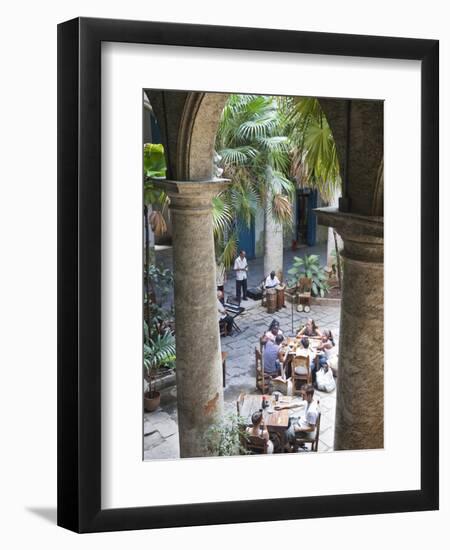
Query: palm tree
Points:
[313, 149]
[254, 153]
[314, 155]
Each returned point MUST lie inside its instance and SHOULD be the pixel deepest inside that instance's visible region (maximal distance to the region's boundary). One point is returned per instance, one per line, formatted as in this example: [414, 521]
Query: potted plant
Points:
[309, 266]
[159, 351]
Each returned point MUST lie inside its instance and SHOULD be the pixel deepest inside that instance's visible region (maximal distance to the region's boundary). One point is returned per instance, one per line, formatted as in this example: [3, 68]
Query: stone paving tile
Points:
[170, 448]
[153, 440]
[167, 428]
[241, 375]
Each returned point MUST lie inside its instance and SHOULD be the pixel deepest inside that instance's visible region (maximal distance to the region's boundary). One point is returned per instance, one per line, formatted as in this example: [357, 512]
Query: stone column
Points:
[273, 245]
[198, 364]
[360, 384]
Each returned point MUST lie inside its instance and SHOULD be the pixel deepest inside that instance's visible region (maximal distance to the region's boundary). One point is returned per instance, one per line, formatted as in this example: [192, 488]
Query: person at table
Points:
[272, 333]
[241, 268]
[307, 421]
[223, 315]
[305, 349]
[273, 357]
[272, 281]
[328, 348]
[258, 429]
[310, 329]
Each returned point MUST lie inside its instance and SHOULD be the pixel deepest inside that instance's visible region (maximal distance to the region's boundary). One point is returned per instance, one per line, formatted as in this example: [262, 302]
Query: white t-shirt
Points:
[272, 283]
[309, 416]
[240, 263]
[221, 310]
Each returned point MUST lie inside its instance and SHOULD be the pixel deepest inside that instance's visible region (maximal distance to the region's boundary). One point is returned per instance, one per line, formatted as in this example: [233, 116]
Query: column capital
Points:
[191, 195]
[363, 236]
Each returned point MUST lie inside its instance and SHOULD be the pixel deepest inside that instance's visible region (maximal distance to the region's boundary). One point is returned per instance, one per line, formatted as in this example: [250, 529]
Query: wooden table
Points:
[292, 347]
[276, 421]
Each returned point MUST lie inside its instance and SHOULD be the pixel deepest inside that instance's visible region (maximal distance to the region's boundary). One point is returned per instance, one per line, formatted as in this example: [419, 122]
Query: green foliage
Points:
[154, 160]
[154, 167]
[309, 266]
[159, 351]
[160, 285]
[226, 437]
[161, 280]
[313, 146]
[254, 153]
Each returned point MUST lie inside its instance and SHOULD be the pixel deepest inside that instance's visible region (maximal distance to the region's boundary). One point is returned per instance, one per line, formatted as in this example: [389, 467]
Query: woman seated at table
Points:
[328, 348]
[310, 329]
[272, 333]
[273, 357]
[305, 350]
[257, 429]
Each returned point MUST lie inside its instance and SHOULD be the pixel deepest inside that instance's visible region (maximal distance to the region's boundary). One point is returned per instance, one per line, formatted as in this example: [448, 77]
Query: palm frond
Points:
[222, 214]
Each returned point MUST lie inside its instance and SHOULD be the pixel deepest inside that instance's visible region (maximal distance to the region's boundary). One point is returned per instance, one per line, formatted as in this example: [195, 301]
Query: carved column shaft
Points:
[360, 386]
[198, 363]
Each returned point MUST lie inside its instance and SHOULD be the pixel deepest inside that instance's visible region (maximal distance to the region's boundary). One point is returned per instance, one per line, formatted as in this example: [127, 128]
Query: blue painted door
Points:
[311, 219]
[246, 236]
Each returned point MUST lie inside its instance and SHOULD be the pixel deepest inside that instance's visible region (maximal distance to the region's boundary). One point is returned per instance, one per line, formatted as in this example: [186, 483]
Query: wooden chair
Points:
[224, 366]
[304, 294]
[312, 438]
[300, 363]
[260, 374]
[223, 328]
[255, 444]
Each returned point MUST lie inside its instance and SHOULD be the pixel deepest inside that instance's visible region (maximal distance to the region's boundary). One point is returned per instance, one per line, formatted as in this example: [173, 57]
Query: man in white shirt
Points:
[272, 281]
[240, 268]
[308, 419]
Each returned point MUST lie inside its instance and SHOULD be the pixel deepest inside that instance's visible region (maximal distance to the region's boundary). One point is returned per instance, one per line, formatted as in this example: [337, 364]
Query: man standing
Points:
[241, 268]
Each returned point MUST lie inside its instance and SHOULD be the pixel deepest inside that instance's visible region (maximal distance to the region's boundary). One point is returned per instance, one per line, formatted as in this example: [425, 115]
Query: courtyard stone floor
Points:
[160, 427]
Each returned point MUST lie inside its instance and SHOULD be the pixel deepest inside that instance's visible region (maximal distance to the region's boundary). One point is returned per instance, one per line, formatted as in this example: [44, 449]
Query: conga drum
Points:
[280, 296]
[271, 300]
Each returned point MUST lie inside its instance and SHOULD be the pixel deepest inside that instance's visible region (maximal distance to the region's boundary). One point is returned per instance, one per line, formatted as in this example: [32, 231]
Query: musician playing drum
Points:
[272, 281]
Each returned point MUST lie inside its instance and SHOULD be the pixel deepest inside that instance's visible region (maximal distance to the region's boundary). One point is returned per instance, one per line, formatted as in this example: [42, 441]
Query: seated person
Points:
[273, 357]
[223, 315]
[259, 430]
[328, 348]
[272, 281]
[304, 349]
[307, 421]
[310, 329]
[272, 333]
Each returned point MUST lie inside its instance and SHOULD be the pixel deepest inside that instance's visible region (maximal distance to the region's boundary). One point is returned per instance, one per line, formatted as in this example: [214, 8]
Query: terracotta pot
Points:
[152, 403]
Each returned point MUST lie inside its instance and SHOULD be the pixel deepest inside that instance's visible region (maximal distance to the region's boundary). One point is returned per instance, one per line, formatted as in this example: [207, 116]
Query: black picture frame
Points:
[79, 274]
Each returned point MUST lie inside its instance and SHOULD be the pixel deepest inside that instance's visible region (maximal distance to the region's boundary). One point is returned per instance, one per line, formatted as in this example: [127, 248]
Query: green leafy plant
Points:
[159, 351]
[227, 438]
[309, 266]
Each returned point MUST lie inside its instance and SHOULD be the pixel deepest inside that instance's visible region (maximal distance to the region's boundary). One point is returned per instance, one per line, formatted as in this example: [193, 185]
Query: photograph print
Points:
[262, 274]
